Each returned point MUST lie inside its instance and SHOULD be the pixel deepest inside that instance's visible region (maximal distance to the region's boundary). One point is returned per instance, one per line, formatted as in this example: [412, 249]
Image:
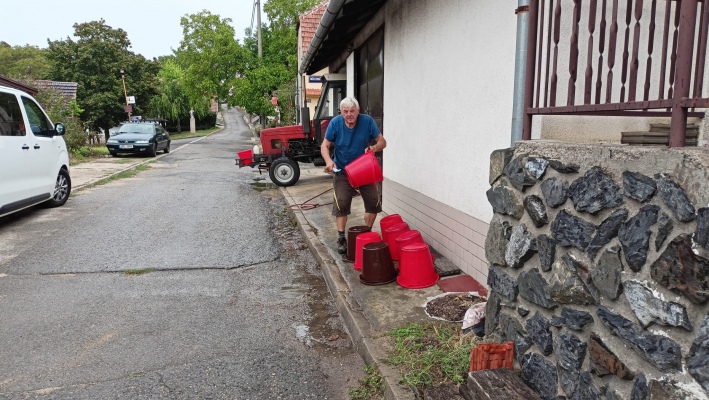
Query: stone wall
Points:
[599, 268]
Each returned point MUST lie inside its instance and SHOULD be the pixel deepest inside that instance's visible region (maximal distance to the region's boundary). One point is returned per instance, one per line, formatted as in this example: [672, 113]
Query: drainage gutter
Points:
[522, 12]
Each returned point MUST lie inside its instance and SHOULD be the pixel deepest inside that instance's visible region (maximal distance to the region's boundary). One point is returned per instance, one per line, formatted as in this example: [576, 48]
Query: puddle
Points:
[302, 333]
[324, 329]
[292, 291]
[321, 327]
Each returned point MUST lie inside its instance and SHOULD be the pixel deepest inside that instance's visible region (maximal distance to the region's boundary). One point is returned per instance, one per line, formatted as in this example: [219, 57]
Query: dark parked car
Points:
[139, 137]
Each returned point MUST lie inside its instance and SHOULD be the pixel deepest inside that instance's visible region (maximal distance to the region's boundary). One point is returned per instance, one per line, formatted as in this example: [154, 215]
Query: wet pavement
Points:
[368, 311]
[184, 281]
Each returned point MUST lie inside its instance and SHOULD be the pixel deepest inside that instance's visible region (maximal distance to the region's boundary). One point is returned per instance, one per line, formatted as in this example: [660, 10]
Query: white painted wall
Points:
[448, 83]
[448, 87]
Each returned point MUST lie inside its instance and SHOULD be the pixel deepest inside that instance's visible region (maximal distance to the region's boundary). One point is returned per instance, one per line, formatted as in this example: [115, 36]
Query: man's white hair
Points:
[348, 102]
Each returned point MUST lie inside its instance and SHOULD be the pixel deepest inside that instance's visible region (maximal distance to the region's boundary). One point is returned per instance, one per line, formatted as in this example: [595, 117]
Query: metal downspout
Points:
[522, 12]
[333, 8]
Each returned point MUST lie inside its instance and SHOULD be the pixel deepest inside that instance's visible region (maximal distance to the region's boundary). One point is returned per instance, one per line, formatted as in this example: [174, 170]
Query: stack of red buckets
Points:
[416, 269]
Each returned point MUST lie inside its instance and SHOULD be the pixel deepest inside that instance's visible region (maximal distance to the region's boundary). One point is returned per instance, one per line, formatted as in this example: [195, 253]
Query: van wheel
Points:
[284, 172]
[62, 189]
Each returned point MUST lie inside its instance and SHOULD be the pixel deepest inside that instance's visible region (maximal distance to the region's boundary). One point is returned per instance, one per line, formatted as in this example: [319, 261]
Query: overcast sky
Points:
[153, 26]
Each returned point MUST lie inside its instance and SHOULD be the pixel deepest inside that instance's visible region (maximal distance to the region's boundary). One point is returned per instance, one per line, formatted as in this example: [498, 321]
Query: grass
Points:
[260, 187]
[122, 175]
[138, 271]
[188, 134]
[87, 153]
[370, 387]
[430, 354]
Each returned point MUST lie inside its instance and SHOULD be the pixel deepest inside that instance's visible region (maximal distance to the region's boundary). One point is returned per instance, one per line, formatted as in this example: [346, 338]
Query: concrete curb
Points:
[132, 166]
[356, 322]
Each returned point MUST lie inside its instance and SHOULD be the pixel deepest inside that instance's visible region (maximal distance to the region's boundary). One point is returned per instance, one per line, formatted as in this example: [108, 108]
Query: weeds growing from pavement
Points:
[370, 387]
[430, 354]
[260, 187]
[125, 174]
[138, 271]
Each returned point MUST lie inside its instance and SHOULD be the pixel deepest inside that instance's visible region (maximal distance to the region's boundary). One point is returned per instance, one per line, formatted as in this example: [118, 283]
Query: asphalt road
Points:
[230, 304]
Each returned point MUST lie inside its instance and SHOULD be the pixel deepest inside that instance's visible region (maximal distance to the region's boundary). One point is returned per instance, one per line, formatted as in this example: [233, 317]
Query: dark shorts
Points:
[344, 194]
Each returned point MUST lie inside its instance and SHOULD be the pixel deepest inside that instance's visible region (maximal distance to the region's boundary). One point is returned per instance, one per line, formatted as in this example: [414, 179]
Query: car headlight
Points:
[112, 141]
[142, 142]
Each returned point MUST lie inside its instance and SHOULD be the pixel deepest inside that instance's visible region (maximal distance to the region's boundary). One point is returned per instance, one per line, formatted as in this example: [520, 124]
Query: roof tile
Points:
[309, 22]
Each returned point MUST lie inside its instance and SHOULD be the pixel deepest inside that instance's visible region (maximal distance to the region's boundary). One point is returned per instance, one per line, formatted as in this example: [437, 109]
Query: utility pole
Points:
[262, 117]
[258, 26]
[125, 93]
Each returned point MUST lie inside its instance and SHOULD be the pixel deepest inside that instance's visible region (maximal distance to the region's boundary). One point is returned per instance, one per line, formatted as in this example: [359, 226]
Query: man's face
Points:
[350, 115]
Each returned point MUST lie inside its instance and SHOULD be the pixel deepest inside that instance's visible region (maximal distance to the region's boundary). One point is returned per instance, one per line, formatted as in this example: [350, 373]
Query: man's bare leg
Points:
[341, 223]
[369, 219]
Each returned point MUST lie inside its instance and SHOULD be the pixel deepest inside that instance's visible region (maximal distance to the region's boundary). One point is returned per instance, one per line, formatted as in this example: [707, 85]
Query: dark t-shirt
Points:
[351, 143]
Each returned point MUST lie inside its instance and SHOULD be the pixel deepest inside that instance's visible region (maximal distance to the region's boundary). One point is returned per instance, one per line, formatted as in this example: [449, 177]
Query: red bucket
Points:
[416, 270]
[365, 170]
[407, 238]
[362, 239]
[388, 221]
[392, 233]
[246, 157]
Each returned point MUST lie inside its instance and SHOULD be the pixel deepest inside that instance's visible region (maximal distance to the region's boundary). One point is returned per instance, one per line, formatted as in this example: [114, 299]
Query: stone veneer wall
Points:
[599, 268]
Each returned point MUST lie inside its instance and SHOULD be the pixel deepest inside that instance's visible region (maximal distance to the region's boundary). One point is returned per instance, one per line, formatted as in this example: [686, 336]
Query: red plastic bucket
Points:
[362, 239]
[246, 157]
[407, 238]
[416, 270]
[364, 170]
[388, 221]
[392, 233]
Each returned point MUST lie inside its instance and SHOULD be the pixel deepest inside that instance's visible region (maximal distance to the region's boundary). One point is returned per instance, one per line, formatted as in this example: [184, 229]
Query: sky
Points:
[153, 26]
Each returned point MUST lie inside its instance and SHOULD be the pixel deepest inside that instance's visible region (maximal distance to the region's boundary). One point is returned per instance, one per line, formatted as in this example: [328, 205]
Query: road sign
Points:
[130, 99]
[129, 109]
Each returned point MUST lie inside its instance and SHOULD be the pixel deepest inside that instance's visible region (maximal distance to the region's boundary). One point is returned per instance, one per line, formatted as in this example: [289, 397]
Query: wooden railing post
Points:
[529, 70]
[685, 47]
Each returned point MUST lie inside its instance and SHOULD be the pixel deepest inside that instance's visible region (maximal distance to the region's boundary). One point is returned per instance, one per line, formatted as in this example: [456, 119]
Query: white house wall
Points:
[448, 90]
[447, 106]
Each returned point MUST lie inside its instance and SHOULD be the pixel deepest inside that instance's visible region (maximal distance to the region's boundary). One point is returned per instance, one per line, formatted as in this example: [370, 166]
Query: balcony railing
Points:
[631, 82]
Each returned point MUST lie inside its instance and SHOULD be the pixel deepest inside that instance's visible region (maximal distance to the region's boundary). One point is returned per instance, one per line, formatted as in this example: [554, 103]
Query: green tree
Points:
[209, 55]
[20, 62]
[172, 101]
[94, 61]
[61, 109]
[284, 14]
[275, 73]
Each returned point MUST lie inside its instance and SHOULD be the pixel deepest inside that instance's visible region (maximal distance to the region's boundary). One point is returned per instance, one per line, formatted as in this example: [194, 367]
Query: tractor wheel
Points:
[284, 172]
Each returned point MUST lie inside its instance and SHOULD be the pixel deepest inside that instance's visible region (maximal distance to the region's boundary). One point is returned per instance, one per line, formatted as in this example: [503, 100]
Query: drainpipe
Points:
[328, 18]
[522, 12]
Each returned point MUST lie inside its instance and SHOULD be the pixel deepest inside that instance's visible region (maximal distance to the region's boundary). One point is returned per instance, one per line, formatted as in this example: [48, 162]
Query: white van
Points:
[34, 163]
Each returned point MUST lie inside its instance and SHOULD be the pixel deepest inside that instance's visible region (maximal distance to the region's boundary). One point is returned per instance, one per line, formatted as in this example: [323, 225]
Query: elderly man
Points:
[352, 134]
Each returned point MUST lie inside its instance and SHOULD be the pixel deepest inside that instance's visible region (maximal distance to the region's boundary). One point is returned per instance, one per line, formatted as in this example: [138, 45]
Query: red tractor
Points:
[282, 148]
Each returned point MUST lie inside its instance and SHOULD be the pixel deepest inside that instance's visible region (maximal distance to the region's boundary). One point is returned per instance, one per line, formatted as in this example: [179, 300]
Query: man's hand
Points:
[329, 165]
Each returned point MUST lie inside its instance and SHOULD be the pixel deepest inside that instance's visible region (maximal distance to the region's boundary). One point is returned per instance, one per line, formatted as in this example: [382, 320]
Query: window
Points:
[11, 123]
[38, 121]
